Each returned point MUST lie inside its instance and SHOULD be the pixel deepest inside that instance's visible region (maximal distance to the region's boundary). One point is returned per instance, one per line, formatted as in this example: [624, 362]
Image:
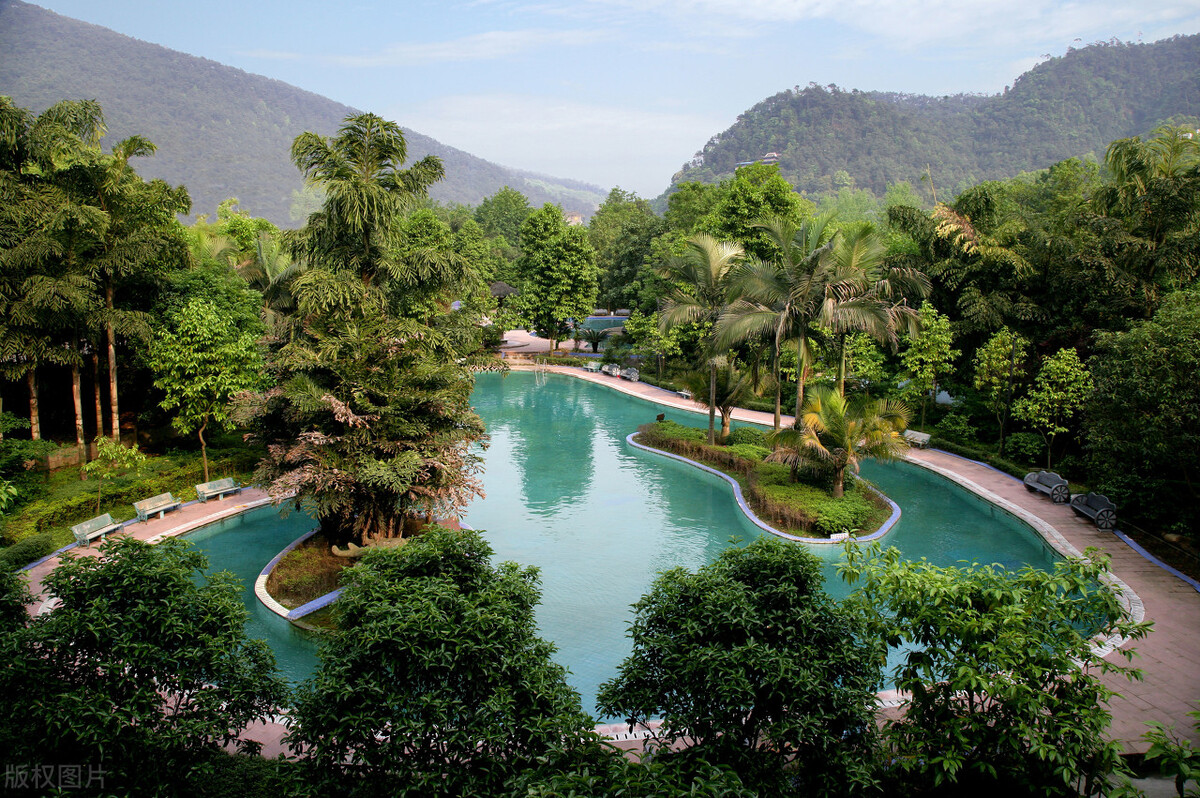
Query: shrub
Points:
[32, 548]
[746, 435]
[1026, 446]
[956, 428]
[749, 451]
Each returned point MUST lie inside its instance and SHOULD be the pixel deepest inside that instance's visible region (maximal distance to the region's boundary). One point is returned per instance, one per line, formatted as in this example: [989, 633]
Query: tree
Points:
[699, 292]
[113, 459]
[756, 192]
[503, 213]
[201, 360]
[1145, 380]
[929, 355]
[143, 671]
[750, 665]
[732, 387]
[1061, 390]
[435, 682]
[999, 364]
[558, 273]
[1003, 683]
[836, 433]
[359, 171]
[650, 339]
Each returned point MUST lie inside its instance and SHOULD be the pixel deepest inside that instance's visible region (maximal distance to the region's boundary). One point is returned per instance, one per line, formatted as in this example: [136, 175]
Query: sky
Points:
[621, 92]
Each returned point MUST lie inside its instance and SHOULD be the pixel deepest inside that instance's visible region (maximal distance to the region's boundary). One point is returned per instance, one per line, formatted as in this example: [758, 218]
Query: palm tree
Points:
[732, 386]
[806, 286]
[838, 433]
[359, 171]
[699, 292]
[271, 272]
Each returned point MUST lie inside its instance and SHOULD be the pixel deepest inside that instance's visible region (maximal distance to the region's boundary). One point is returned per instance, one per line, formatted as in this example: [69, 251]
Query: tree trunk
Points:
[725, 424]
[778, 390]
[800, 375]
[35, 428]
[110, 333]
[96, 390]
[712, 403]
[77, 397]
[203, 448]
[841, 380]
[839, 487]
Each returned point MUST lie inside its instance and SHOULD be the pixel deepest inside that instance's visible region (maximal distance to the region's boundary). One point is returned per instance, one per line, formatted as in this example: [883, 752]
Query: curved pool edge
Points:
[1132, 603]
[886, 527]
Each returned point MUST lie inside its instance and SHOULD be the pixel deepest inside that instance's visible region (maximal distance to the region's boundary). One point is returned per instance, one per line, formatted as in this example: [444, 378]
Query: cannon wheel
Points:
[1060, 495]
[1106, 520]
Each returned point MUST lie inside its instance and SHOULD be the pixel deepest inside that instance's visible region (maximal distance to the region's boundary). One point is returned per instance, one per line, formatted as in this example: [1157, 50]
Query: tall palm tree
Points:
[838, 433]
[699, 292]
[811, 283]
[359, 171]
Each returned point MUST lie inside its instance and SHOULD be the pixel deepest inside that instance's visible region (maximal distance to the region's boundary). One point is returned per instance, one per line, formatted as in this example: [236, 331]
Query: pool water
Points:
[564, 492]
[601, 519]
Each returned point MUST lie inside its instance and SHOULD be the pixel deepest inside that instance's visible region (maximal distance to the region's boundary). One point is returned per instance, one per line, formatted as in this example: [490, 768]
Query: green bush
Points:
[955, 428]
[749, 451]
[32, 548]
[1027, 446]
[746, 435]
[830, 516]
[671, 429]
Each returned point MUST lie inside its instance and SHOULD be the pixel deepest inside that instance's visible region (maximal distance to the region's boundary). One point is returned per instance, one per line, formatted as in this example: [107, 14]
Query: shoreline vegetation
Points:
[800, 508]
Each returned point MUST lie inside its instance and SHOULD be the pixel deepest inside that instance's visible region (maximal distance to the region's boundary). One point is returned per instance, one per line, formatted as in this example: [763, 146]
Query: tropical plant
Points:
[201, 361]
[592, 337]
[999, 364]
[928, 355]
[699, 291]
[732, 388]
[112, 460]
[838, 433]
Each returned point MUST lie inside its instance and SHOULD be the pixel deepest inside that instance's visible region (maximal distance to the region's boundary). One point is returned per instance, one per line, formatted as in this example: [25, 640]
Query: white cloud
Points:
[635, 149]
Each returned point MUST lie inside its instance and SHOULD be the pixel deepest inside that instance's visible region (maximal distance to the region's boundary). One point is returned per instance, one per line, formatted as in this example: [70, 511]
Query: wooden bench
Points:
[1097, 507]
[1049, 483]
[94, 528]
[156, 505]
[218, 487]
[917, 439]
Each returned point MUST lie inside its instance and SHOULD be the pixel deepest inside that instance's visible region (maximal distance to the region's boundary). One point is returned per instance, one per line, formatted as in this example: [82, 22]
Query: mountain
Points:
[220, 131]
[1062, 108]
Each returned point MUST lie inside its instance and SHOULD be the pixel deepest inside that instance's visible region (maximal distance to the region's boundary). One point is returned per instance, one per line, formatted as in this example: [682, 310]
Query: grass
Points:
[799, 508]
[306, 573]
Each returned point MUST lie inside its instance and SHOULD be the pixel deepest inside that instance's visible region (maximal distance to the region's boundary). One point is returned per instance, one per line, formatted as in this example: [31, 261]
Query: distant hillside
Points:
[220, 131]
[1063, 107]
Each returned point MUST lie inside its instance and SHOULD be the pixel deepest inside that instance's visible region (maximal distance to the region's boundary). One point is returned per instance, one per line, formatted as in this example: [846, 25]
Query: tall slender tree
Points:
[699, 293]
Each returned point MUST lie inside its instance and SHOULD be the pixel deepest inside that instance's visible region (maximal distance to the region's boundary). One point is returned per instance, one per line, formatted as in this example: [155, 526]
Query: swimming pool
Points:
[601, 519]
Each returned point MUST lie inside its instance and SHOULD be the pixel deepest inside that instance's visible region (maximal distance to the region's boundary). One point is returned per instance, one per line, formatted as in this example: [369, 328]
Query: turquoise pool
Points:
[600, 519]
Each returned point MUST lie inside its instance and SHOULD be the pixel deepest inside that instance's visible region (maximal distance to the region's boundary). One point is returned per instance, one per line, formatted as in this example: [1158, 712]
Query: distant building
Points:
[769, 158]
[574, 218]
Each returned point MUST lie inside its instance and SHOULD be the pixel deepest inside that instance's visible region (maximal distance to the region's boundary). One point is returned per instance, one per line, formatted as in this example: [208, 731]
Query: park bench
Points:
[1049, 483]
[611, 369]
[1096, 507]
[592, 365]
[156, 505]
[218, 487]
[94, 528]
[630, 374]
[917, 439]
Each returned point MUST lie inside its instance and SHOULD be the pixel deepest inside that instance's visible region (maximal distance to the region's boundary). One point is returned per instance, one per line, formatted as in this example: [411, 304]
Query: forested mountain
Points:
[220, 131]
[1063, 107]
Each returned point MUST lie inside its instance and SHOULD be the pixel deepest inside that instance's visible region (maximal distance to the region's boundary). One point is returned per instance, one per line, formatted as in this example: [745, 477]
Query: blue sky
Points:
[620, 92]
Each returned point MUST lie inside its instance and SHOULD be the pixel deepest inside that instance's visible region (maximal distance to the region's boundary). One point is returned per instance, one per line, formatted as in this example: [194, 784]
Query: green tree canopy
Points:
[435, 682]
[558, 273]
[750, 664]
